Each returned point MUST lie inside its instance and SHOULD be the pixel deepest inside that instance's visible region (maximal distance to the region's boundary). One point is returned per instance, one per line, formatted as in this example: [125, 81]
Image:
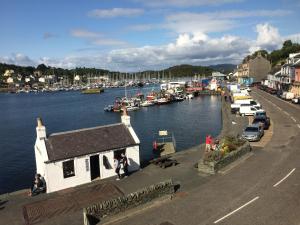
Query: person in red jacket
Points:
[208, 142]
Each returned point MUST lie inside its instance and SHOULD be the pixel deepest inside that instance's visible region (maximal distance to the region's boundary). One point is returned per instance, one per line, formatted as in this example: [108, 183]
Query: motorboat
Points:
[162, 101]
[147, 103]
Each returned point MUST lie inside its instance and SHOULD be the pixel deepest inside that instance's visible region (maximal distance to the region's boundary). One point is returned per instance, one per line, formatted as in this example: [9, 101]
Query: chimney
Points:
[125, 118]
[40, 129]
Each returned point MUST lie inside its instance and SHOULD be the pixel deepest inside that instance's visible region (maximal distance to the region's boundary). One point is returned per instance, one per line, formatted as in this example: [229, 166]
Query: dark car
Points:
[264, 120]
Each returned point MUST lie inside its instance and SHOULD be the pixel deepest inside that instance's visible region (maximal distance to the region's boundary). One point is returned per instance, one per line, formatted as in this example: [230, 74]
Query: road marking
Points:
[286, 113]
[298, 125]
[229, 214]
[293, 119]
[275, 185]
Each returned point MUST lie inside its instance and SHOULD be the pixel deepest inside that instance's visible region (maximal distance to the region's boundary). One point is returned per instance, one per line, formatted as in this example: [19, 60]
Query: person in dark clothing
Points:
[37, 186]
[124, 161]
[117, 165]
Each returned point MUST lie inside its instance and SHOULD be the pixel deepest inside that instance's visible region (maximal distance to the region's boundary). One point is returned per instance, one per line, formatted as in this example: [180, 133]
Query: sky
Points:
[135, 35]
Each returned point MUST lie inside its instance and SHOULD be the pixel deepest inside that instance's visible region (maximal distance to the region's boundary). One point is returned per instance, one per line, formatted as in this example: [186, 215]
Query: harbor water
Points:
[190, 121]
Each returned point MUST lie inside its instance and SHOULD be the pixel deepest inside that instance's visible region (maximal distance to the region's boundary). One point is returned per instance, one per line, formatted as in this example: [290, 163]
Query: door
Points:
[95, 167]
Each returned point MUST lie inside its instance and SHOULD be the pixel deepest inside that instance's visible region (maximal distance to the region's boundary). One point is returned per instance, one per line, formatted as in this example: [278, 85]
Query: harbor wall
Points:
[98, 211]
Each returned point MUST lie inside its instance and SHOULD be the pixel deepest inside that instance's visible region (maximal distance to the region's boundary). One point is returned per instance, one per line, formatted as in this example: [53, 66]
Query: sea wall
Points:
[113, 206]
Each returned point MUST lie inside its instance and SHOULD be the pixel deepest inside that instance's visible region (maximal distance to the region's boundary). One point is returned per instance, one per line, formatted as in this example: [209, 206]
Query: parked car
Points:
[262, 120]
[260, 113]
[253, 132]
[249, 110]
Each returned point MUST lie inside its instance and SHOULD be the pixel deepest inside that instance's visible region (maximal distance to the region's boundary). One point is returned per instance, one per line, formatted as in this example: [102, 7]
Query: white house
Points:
[68, 159]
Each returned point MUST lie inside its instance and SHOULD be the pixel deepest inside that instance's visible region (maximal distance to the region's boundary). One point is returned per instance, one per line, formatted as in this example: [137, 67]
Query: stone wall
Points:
[111, 207]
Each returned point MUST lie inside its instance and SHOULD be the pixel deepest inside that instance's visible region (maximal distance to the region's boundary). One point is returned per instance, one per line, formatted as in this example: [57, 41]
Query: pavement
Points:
[261, 188]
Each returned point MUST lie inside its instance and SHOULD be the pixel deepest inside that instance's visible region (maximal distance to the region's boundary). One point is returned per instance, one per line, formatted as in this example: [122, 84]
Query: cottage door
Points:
[95, 167]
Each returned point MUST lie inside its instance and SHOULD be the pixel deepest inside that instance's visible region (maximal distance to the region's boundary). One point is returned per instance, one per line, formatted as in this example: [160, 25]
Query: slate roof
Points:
[81, 142]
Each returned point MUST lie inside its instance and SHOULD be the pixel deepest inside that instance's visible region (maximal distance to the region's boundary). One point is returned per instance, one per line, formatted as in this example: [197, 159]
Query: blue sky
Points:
[132, 35]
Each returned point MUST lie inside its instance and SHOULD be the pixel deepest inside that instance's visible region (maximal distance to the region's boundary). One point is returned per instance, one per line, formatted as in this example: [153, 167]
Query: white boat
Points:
[147, 103]
[132, 108]
[190, 96]
[161, 101]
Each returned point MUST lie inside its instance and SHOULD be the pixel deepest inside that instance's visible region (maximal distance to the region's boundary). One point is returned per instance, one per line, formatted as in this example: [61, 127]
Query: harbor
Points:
[189, 120]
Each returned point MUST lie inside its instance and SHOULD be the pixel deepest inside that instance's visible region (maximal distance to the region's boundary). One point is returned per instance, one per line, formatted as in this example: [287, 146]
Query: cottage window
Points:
[68, 168]
[106, 163]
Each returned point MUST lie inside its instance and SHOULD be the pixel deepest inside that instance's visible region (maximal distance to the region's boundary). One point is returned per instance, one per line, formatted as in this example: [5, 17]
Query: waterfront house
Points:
[256, 68]
[72, 158]
[296, 83]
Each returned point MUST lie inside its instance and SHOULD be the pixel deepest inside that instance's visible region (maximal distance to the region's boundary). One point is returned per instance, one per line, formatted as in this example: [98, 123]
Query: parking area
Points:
[267, 135]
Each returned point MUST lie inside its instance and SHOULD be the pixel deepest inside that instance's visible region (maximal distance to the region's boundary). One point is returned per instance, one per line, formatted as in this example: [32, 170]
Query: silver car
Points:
[253, 132]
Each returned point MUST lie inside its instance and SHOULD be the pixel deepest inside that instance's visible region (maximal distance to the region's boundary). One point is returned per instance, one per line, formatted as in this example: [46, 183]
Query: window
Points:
[106, 163]
[87, 165]
[68, 168]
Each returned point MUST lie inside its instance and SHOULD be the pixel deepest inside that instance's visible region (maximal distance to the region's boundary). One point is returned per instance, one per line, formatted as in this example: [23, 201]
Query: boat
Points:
[179, 98]
[147, 103]
[92, 91]
[109, 108]
[190, 96]
[131, 108]
[162, 101]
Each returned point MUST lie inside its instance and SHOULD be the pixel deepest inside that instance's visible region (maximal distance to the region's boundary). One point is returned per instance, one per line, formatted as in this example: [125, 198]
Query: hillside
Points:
[278, 57]
[188, 70]
[223, 68]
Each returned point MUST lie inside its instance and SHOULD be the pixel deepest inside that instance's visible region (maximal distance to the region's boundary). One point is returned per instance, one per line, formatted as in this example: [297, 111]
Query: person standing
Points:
[117, 166]
[208, 142]
[125, 164]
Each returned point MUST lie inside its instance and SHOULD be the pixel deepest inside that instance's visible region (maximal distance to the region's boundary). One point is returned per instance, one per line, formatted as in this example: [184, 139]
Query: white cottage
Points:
[68, 159]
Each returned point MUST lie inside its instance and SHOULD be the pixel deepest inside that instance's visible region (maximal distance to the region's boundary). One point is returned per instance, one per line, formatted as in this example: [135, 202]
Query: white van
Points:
[250, 110]
[235, 107]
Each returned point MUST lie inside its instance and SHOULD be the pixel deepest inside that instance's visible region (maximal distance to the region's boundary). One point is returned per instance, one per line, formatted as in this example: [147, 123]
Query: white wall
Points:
[40, 156]
[55, 178]
[133, 157]
[54, 171]
[104, 173]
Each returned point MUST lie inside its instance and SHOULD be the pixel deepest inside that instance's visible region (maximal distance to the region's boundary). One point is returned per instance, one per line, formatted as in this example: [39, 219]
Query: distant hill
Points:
[188, 70]
[223, 68]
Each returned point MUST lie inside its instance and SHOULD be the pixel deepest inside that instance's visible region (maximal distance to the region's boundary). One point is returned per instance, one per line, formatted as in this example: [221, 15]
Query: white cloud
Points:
[194, 22]
[191, 49]
[115, 12]
[198, 49]
[82, 33]
[219, 21]
[18, 59]
[268, 37]
[184, 3]
[96, 38]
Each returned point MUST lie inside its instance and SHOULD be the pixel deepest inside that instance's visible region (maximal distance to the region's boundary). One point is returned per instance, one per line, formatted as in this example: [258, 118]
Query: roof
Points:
[81, 142]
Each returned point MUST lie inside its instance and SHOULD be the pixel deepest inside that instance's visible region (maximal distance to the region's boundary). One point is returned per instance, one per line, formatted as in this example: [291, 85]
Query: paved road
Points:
[264, 189]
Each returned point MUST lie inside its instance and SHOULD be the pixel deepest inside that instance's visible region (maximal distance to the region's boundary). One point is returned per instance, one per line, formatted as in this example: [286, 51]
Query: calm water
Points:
[190, 121]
